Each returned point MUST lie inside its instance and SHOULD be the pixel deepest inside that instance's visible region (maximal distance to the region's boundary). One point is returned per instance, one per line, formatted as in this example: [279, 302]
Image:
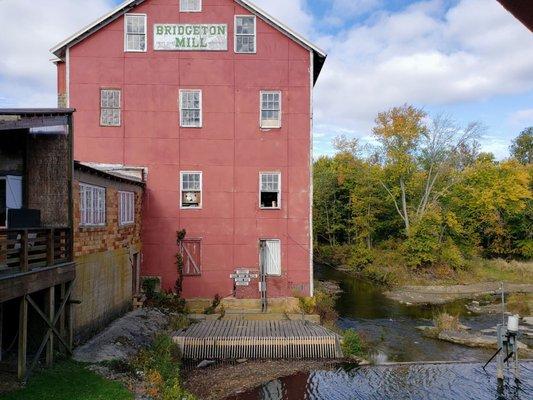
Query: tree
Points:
[522, 147]
[399, 131]
[421, 159]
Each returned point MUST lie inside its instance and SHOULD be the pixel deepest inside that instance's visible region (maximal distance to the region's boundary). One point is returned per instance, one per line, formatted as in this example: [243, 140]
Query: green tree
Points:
[489, 201]
[522, 147]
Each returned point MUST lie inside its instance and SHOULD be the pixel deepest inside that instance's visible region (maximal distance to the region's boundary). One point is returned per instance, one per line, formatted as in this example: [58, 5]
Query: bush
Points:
[169, 300]
[214, 304]
[450, 255]
[336, 256]
[148, 286]
[447, 322]
[179, 321]
[161, 366]
[307, 304]
[351, 343]
[361, 257]
[325, 306]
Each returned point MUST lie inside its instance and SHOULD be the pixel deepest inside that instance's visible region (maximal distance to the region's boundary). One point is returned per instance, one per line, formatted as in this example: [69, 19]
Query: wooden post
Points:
[70, 319]
[50, 311]
[23, 337]
[24, 251]
[62, 315]
[1, 327]
[50, 247]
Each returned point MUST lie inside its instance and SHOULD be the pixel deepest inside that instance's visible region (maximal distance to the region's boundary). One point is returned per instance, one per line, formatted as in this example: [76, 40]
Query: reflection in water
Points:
[390, 327]
[416, 382]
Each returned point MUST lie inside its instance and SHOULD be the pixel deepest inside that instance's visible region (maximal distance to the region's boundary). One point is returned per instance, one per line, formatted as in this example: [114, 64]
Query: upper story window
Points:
[135, 33]
[190, 5]
[110, 107]
[270, 190]
[191, 189]
[191, 108]
[126, 208]
[245, 34]
[271, 109]
[92, 205]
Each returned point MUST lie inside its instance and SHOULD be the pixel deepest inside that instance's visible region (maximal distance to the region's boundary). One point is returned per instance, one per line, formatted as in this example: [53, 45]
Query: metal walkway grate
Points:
[233, 339]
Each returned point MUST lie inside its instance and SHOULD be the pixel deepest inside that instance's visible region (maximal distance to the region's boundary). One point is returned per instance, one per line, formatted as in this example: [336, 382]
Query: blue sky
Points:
[469, 59]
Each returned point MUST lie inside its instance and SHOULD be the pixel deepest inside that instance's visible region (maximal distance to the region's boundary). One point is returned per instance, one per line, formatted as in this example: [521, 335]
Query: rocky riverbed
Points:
[418, 295]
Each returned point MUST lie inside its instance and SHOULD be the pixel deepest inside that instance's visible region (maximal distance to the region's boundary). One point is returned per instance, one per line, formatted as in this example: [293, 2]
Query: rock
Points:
[425, 328]
[205, 364]
[124, 337]
[527, 321]
[241, 360]
[475, 303]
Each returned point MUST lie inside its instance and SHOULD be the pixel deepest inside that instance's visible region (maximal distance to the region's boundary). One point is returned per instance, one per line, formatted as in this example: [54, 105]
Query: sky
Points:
[468, 59]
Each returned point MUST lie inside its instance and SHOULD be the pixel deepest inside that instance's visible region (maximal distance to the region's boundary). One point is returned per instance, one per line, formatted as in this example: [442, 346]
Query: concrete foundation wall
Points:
[104, 286]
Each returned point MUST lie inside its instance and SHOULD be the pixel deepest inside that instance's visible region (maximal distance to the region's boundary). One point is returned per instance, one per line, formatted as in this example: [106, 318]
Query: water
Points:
[390, 327]
[415, 382]
[390, 330]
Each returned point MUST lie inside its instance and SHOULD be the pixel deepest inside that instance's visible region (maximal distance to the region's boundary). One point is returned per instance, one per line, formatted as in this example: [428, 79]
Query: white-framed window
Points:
[245, 34]
[270, 256]
[190, 108]
[270, 109]
[126, 208]
[190, 5]
[110, 100]
[135, 33]
[92, 205]
[191, 189]
[10, 196]
[270, 190]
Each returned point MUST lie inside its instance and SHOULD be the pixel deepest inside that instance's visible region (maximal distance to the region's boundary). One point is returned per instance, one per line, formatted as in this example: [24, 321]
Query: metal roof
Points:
[60, 49]
[36, 111]
[118, 173]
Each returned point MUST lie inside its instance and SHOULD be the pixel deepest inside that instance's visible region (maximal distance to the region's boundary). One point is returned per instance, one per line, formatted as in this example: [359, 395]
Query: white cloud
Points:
[292, 13]
[424, 55]
[522, 118]
[29, 29]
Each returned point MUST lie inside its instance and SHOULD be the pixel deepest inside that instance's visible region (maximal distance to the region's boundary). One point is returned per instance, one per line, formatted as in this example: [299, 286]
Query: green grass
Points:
[69, 381]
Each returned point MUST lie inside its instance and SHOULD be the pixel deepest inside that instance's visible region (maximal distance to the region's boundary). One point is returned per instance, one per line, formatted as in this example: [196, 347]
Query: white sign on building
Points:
[191, 37]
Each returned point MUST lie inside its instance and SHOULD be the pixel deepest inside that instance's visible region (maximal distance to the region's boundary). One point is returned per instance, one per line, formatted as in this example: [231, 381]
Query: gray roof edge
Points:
[128, 4]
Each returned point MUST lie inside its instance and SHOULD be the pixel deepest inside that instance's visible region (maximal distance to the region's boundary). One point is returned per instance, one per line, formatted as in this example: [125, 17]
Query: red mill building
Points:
[214, 98]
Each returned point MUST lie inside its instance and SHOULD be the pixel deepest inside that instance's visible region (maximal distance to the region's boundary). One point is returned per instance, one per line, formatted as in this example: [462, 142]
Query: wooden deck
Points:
[234, 339]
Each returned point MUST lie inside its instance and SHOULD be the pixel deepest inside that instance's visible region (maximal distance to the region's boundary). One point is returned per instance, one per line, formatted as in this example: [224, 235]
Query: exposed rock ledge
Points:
[470, 339]
[445, 294]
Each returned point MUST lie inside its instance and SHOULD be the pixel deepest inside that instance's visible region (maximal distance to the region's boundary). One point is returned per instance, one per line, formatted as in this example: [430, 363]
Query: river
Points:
[431, 369]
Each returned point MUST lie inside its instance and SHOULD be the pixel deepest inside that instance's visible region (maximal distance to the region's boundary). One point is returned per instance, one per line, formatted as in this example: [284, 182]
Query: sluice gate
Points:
[234, 339]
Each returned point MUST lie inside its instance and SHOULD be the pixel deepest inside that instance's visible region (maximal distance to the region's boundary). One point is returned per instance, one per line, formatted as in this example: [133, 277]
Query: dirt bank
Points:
[445, 294]
[221, 381]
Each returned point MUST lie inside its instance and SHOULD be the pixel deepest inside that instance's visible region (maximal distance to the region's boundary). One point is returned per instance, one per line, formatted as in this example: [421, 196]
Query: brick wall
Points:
[89, 240]
[104, 257]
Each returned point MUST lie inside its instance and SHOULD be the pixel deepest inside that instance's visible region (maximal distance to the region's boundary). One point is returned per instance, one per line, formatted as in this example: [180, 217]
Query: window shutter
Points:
[273, 257]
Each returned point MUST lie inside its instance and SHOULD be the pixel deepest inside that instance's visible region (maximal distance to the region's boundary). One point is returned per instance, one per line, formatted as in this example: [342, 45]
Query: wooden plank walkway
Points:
[234, 339]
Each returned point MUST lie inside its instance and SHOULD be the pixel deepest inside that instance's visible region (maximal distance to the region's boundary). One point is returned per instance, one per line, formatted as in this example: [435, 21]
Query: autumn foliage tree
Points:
[424, 191]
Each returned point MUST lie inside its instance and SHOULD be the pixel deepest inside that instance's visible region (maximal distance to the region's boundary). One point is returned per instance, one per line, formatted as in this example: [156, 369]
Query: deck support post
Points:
[50, 311]
[23, 337]
[1, 327]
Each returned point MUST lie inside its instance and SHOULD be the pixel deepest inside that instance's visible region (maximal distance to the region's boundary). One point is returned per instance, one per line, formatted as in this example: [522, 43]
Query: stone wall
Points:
[104, 259]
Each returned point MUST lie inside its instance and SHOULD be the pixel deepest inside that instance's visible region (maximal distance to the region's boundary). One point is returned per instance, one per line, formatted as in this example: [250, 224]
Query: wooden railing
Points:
[23, 250]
